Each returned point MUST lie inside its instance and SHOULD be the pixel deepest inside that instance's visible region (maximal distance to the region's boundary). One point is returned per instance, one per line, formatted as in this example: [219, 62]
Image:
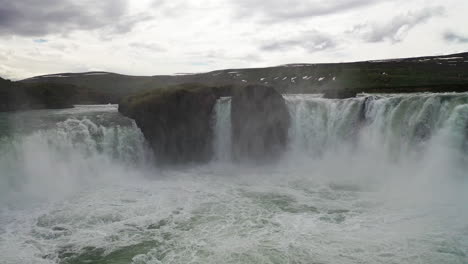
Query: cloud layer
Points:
[38, 18]
[396, 29]
[279, 10]
[310, 41]
[148, 37]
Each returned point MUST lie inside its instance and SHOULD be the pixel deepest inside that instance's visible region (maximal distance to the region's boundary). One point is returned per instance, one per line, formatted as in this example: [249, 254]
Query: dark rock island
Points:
[177, 122]
[260, 123]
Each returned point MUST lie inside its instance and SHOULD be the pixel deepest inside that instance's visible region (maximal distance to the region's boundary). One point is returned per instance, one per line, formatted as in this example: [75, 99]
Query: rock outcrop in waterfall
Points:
[260, 123]
[178, 122]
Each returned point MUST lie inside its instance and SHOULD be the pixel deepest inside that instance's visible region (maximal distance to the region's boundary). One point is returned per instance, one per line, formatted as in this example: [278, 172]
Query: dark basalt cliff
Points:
[178, 122]
[260, 123]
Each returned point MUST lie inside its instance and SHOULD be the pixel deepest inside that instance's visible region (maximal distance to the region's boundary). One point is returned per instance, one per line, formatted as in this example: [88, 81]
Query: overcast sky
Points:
[152, 37]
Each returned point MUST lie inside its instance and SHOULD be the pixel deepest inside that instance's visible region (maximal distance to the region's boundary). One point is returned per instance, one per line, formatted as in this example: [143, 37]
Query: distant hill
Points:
[24, 96]
[17, 96]
[111, 86]
[4, 83]
[432, 74]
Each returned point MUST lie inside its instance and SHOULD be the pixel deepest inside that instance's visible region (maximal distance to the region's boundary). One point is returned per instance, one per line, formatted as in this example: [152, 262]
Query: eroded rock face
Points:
[260, 123]
[177, 123]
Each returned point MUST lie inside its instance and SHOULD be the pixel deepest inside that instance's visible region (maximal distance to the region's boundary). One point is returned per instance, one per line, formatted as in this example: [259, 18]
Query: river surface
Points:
[373, 179]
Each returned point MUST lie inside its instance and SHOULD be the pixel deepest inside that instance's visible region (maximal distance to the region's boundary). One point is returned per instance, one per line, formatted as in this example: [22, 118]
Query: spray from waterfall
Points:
[60, 158]
[403, 141]
[411, 147]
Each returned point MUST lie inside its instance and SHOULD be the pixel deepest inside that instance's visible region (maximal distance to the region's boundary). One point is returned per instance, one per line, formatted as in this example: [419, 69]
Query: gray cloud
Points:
[279, 10]
[453, 37]
[396, 29]
[38, 18]
[311, 41]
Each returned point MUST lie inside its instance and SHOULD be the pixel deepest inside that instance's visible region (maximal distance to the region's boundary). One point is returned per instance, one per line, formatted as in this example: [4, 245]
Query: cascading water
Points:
[390, 123]
[320, 125]
[401, 124]
[69, 151]
[388, 126]
[222, 130]
[415, 141]
[387, 129]
[374, 179]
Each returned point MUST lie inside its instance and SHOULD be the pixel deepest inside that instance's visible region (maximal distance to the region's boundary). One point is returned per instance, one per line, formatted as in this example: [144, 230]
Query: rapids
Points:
[373, 179]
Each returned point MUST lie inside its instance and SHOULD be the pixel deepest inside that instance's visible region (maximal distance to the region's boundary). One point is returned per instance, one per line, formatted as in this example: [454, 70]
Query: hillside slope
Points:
[45, 95]
[432, 74]
[24, 96]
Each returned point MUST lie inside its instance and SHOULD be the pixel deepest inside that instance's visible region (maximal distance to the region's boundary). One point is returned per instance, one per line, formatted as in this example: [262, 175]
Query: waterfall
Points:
[67, 155]
[381, 138]
[319, 125]
[406, 133]
[402, 124]
[395, 124]
[387, 128]
[373, 179]
[222, 130]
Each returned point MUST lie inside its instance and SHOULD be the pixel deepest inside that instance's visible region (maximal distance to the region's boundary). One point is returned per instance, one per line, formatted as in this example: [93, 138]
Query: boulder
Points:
[260, 123]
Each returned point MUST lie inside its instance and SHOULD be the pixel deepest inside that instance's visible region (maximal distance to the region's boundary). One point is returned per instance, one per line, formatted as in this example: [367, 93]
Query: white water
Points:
[69, 153]
[363, 184]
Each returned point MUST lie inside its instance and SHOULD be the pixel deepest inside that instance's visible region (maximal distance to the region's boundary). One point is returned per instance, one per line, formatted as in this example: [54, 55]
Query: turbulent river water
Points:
[373, 179]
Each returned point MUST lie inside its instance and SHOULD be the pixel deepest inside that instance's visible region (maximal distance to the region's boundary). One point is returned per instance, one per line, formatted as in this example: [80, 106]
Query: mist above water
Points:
[49, 154]
[373, 179]
[409, 147]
